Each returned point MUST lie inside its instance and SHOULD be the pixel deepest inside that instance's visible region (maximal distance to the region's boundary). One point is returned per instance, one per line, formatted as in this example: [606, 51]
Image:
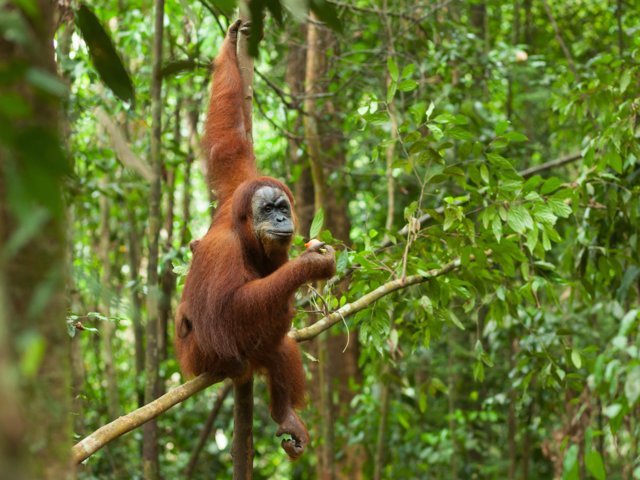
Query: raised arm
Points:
[276, 289]
[230, 158]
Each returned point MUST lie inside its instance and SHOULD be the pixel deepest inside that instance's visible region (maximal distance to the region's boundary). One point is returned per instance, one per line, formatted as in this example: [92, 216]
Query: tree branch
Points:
[109, 432]
[526, 173]
[349, 309]
[101, 437]
[531, 171]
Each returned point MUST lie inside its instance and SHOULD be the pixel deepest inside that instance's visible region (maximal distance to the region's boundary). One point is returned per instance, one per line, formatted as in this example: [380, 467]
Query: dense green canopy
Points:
[478, 162]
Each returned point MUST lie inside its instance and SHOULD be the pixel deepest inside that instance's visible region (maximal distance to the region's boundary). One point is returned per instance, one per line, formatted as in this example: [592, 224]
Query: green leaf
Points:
[407, 85]
[570, 464]
[501, 127]
[455, 320]
[430, 109]
[460, 133]
[445, 118]
[544, 214]
[408, 70]
[559, 208]
[550, 185]
[391, 91]
[625, 80]
[614, 160]
[499, 161]
[595, 465]
[437, 131]
[496, 227]
[613, 410]
[392, 67]
[316, 224]
[532, 239]
[450, 218]
[519, 219]
[484, 173]
[103, 54]
[632, 386]
[227, 6]
[325, 12]
[576, 359]
[516, 137]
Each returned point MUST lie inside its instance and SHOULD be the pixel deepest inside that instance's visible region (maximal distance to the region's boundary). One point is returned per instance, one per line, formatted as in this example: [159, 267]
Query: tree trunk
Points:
[168, 278]
[108, 327]
[315, 68]
[325, 147]
[150, 465]
[242, 447]
[35, 425]
[512, 422]
[379, 461]
[136, 303]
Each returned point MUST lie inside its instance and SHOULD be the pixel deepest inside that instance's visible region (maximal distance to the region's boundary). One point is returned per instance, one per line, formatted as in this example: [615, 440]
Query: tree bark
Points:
[379, 461]
[108, 328]
[242, 447]
[136, 303]
[512, 421]
[315, 68]
[35, 425]
[150, 464]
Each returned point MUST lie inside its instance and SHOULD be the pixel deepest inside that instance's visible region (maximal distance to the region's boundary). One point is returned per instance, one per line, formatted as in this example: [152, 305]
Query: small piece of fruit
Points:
[312, 243]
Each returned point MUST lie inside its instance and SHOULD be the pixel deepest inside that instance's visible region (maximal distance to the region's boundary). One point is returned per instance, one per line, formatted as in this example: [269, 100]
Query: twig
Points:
[560, 40]
[403, 15]
[526, 173]
[282, 130]
[531, 171]
[363, 302]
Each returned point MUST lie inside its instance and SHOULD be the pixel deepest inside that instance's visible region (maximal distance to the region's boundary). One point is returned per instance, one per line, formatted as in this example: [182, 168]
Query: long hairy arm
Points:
[230, 158]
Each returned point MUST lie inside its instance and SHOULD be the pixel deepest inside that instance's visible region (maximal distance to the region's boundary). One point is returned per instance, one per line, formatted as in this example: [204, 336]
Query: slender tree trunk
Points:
[393, 115]
[619, 4]
[512, 422]
[136, 303]
[314, 70]
[452, 405]
[526, 445]
[35, 425]
[168, 279]
[379, 461]
[528, 23]
[303, 188]
[108, 328]
[150, 431]
[242, 447]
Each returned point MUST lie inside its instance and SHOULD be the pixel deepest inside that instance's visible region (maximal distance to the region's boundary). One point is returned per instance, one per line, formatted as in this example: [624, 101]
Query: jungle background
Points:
[475, 162]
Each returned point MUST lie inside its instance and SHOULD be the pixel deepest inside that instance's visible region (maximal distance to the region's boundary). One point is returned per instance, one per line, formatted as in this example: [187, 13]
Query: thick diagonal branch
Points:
[106, 434]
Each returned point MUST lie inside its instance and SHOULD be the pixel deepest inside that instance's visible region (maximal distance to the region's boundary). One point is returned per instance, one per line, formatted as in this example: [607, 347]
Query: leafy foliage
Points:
[505, 150]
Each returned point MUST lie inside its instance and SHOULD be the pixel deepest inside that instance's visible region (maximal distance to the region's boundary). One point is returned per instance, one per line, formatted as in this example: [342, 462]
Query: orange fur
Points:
[237, 302]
